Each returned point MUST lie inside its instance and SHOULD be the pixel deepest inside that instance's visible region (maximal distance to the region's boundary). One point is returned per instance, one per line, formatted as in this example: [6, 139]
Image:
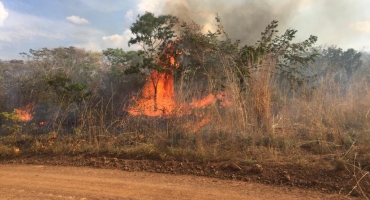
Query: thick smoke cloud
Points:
[242, 19]
[335, 22]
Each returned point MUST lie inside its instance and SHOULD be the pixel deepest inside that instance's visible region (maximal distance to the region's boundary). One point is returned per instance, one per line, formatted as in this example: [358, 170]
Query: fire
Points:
[25, 113]
[16, 150]
[211, 99]
[202, 123]
[165, 100]
[164, 103]
[158, 96]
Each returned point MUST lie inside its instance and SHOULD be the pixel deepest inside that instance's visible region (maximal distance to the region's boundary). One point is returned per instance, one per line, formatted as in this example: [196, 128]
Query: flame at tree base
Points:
[157, 103]
[158, 97]
[162, 103]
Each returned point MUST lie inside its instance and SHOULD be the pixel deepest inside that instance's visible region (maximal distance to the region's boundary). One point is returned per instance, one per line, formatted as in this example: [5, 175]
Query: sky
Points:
[100, 24]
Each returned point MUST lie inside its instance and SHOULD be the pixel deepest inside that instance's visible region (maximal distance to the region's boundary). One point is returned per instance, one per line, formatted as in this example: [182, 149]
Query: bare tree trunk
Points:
[155, 97]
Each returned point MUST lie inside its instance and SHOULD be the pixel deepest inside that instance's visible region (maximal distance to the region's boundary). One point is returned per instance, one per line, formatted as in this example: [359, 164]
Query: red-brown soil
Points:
[278, 176]
[60, 182]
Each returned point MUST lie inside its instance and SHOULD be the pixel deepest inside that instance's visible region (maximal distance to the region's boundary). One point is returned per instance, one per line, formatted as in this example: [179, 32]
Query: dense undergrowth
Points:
[267, 106]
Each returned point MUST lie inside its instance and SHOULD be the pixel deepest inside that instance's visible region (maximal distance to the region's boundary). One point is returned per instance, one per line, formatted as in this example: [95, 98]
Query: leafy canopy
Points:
[153, 34]
[208, 50]
[120, 60]
[290, 57]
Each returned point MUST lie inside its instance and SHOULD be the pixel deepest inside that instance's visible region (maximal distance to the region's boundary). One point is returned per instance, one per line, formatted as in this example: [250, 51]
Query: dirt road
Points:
[53, 182]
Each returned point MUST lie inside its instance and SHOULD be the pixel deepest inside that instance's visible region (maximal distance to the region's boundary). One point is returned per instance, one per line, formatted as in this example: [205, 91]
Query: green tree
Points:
[65, 90]
[208, 50]
[291, 57]
[224, 63]
[121, 60]
[154, 35]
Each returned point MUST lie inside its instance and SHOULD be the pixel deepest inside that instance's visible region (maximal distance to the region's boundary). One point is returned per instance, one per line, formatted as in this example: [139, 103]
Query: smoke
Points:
[243, 20]
[335, 22]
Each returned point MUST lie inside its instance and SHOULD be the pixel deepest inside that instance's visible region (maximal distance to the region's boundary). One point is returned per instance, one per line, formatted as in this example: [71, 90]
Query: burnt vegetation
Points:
[277, 100]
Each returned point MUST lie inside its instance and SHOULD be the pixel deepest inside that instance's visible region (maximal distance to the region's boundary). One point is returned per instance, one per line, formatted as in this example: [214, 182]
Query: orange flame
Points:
[211, 99]
[166, 104]
[157, 97]
[162, 101]
[25, 113]
[202, 123]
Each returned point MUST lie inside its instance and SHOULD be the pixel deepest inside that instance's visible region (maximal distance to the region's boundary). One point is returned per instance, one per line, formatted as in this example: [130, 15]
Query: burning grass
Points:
[260, 123]
[325, 131]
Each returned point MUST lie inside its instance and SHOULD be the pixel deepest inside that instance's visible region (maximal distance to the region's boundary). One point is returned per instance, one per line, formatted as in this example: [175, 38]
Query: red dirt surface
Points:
[348, 182]
[60, 182]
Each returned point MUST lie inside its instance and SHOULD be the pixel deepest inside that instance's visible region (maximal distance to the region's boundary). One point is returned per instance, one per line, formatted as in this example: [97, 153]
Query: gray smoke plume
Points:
[242, 19]
[335, 22]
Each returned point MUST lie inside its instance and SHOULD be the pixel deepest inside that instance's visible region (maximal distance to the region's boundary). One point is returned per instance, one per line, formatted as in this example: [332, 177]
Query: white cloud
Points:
[20, 27]
[129, 16]
[118, 41]
[154, 6]
[3, 13]
[77, 20]
[89, 45]
[26, 31]
[361, 26]
[113, 38]
[121, 40]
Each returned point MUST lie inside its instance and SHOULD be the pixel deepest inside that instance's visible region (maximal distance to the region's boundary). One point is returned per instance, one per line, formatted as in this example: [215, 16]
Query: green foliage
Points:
[57, 82]
[60, 84]
[202, 55]
[290, 57]
[115, 56]
[41, 84]
[153, 34]
[13, 116]
[151, 31]
[14, 119]
[207, 52]
[120, 60]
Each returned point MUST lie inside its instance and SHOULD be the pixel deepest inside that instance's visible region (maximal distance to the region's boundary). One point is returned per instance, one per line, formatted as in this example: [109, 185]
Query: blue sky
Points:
[99, 24]
[90, 24]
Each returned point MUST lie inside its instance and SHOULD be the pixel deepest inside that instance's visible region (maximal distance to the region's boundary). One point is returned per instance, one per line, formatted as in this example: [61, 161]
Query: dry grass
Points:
[266, 123]
[262, 122]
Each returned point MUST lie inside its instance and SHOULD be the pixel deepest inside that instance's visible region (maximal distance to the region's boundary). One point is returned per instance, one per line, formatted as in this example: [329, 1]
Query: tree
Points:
[290, 57]
[227, 65]
[337, 59]
[61, 76]
[71, 93]
[120, 60]
[154, 35]
[77, 64]
[211, 48]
